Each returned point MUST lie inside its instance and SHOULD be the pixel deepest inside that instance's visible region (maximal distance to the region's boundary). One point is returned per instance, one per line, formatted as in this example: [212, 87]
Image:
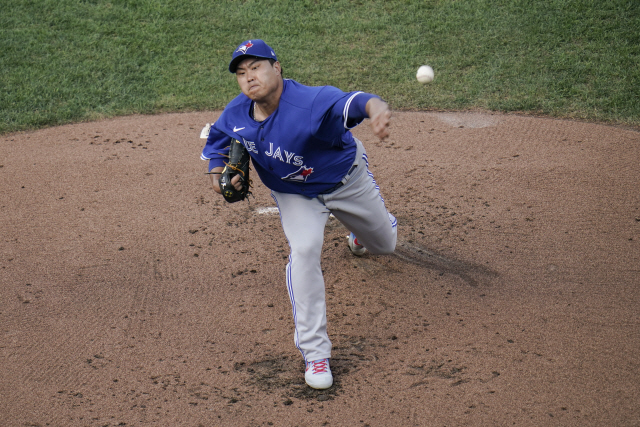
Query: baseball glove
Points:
[238, 165]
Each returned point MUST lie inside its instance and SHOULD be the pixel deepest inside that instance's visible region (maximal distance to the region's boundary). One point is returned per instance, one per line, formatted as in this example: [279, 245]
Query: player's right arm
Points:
[215, 179]
[215, 151]
[214, 174]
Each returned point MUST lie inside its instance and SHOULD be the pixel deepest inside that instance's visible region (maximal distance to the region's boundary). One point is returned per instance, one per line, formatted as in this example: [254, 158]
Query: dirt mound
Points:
[513, 298]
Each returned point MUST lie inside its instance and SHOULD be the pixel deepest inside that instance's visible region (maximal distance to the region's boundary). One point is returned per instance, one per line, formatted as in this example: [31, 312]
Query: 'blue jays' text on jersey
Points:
[304, 147]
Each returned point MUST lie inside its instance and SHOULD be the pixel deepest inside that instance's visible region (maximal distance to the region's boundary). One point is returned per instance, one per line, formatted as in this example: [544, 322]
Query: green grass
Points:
[66, 61]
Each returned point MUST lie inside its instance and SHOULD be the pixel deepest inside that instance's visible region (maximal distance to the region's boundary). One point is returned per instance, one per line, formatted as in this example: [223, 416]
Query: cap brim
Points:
[233, 65]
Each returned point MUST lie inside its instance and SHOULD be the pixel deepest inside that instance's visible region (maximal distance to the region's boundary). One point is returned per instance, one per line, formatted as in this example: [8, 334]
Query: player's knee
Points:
[383, 249]
[384, 245]
[389, 249]
[306, 249]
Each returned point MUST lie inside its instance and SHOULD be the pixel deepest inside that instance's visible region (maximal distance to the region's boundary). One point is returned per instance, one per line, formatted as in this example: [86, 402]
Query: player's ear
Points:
[278, 67]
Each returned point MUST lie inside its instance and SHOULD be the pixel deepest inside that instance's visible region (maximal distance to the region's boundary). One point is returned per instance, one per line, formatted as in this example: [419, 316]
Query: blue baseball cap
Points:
[249, 48]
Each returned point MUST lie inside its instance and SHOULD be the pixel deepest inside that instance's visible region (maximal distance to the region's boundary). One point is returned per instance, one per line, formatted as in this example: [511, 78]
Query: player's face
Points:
[258, 79]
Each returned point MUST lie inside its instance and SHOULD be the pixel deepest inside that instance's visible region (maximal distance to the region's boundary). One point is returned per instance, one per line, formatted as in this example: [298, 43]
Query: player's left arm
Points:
[366, 105]
[380, 116]
[337, 111]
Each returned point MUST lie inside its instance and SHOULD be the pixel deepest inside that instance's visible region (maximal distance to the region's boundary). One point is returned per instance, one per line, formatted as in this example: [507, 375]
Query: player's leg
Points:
[360, 207]
[303, 221]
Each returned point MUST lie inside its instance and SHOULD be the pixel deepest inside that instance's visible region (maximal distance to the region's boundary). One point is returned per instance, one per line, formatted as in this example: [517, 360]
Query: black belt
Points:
[341, 183]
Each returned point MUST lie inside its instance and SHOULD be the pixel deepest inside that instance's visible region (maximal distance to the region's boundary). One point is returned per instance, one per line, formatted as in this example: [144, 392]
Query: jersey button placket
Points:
[261, 137]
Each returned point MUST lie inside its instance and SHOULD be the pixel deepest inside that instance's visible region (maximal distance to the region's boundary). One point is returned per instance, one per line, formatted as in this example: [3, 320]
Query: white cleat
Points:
[356, 248]
[317, 374]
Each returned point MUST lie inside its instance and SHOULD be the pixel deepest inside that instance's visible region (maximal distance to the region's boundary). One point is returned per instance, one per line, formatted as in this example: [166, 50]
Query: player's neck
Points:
[261, 111]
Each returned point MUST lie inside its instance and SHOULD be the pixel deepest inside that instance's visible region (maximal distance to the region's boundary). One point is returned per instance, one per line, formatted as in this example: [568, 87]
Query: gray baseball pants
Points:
[360, 207]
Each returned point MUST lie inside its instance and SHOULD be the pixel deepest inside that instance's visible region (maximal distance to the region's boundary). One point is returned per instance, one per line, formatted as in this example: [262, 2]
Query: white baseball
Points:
[424, 74]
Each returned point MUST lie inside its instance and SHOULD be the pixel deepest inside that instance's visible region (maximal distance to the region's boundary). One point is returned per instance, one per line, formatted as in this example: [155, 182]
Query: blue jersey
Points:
[304, 147]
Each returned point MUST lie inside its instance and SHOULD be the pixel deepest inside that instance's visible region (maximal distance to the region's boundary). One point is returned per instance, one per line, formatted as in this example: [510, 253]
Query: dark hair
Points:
[273, 61]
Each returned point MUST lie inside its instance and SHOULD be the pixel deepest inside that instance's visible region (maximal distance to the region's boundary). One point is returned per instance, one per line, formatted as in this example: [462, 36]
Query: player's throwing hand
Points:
[380, 116]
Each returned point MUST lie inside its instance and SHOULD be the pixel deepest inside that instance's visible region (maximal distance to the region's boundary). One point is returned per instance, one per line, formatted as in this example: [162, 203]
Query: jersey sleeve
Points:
[355, 110]
[335, 112]
[217, 147]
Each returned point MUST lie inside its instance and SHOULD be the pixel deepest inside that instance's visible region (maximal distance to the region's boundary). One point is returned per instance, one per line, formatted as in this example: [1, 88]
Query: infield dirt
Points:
[132, 295]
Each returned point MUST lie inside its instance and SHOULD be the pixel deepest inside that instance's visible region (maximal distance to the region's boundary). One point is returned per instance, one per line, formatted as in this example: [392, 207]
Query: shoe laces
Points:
[319, 366]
